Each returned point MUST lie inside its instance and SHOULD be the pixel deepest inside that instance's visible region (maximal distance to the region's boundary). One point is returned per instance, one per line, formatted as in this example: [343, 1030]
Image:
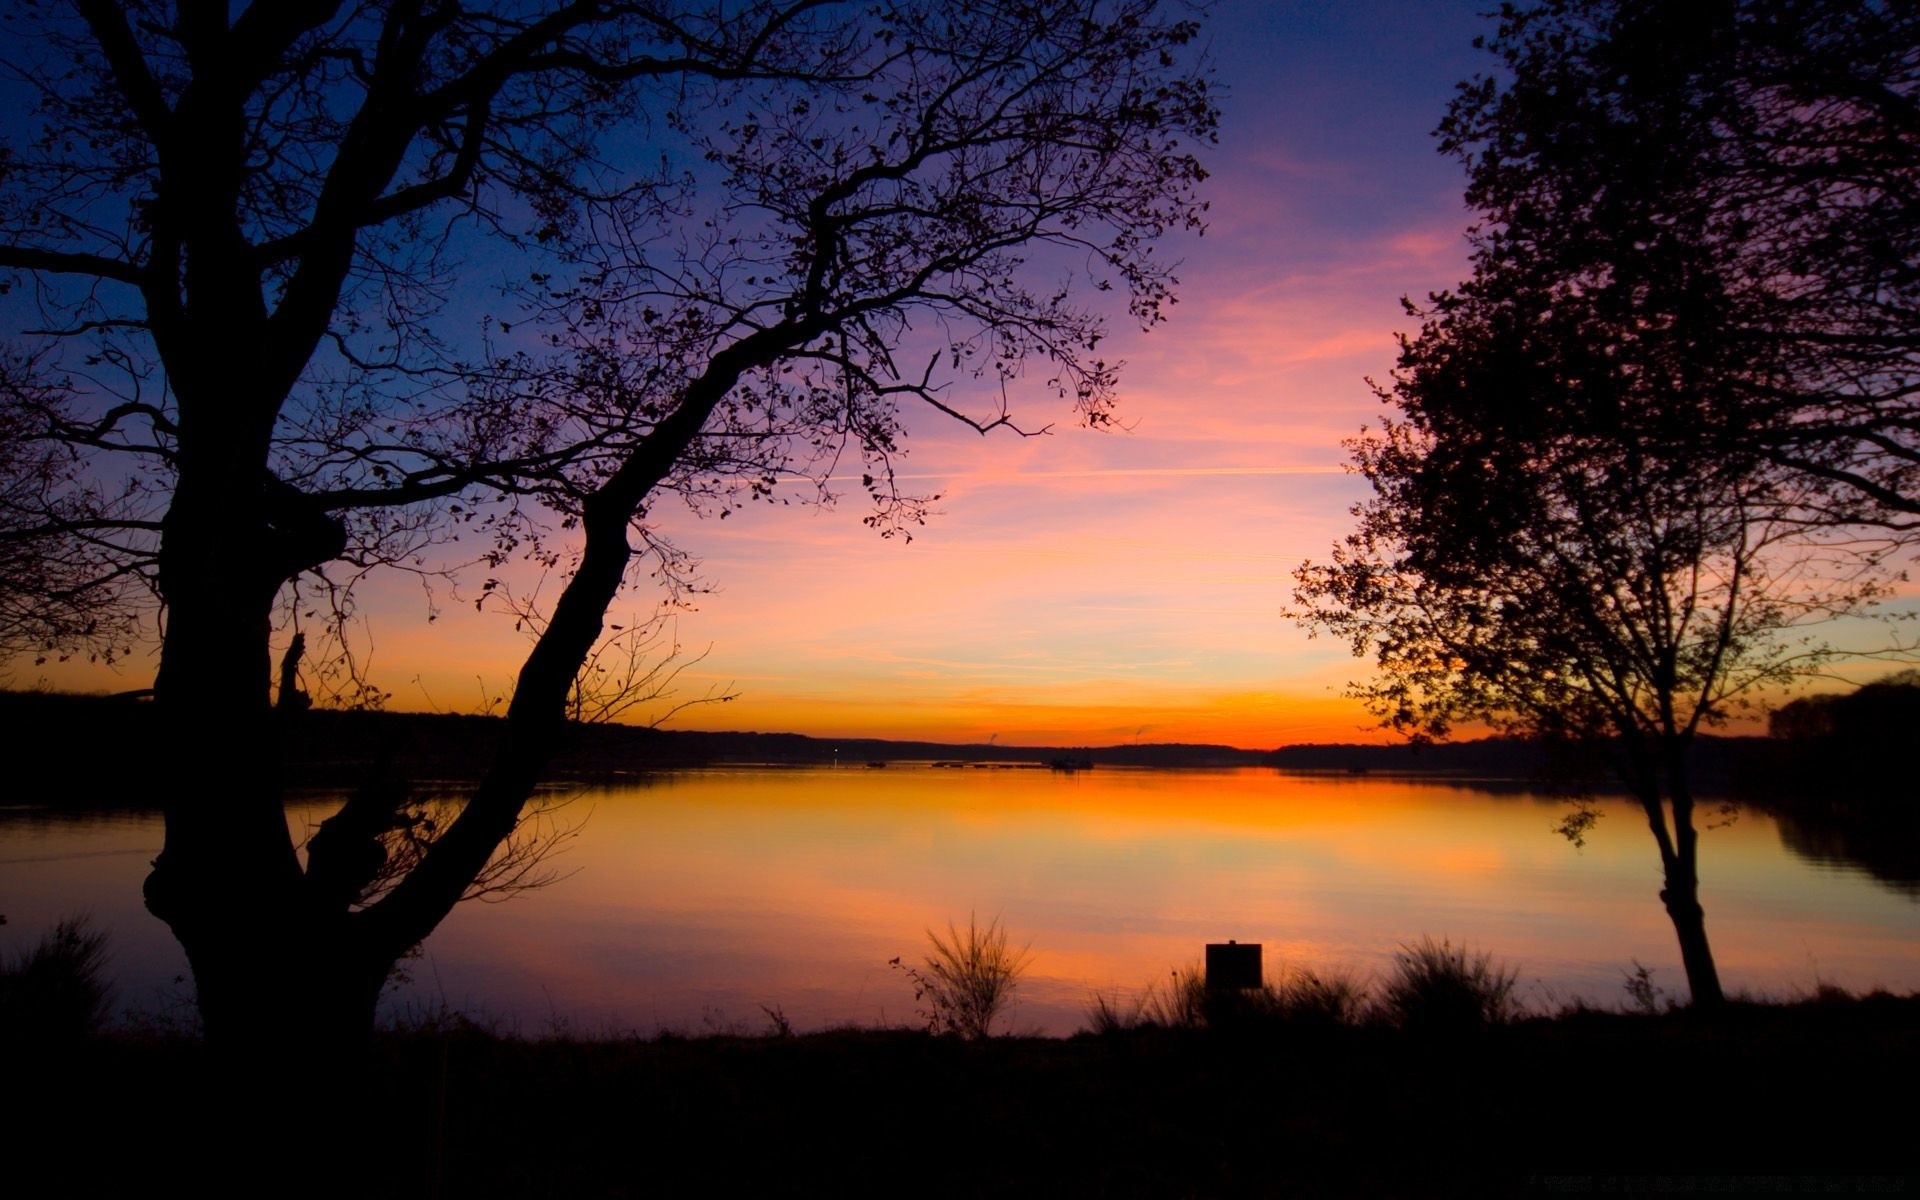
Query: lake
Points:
[695, 901]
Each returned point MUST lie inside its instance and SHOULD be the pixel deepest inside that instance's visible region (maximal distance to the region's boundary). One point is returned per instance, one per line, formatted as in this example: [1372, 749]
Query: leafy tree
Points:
[1637, 448]
[1765, 154]
[1872, 717]
[743, 238]
[1840, 765]
[1534, 560]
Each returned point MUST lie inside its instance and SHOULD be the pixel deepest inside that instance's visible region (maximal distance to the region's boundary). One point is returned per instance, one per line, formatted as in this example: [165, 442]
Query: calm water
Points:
[692, 902]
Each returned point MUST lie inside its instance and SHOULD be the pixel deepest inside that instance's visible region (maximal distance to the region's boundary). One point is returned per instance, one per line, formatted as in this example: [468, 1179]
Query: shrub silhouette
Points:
[1443, 988]
[56, 990]
[969, 979]
[1321, 998]
[1303, 997]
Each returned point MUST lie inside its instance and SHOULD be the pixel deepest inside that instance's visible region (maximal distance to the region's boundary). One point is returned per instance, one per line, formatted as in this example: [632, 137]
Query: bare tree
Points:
[743, 236]
[73, 556]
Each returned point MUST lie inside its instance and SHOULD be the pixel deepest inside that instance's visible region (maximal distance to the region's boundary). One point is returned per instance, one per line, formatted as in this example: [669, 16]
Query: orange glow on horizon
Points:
[1084, 588]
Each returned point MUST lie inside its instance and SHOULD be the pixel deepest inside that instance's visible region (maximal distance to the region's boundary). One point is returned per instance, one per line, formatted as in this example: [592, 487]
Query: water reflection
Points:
[1885, 848]
[695, 900]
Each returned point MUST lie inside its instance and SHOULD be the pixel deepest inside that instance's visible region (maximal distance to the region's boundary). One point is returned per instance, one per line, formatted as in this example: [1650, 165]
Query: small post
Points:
[1233, 967]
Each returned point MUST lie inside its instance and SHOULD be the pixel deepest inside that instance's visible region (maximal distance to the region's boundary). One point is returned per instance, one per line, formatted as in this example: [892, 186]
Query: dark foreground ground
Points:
[1812, 1098]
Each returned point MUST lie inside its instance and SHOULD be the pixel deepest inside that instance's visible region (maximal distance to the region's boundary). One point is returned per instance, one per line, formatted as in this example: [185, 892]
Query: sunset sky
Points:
[1095, 587]
[1101, 587]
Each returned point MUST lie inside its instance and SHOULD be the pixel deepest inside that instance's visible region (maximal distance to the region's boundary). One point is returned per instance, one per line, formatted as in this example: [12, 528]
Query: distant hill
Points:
[1503, 757]
[105, 746]
[1717, 761]
[99, 750]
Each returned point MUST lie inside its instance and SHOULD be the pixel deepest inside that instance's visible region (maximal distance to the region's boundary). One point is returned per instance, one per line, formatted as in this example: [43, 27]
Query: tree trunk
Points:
[307, 990]
[1682, 892]
[1646, 769]
[270, 966]
[1682, 898]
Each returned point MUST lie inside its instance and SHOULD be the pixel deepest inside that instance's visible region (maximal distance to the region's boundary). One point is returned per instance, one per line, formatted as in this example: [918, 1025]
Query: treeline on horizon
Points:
[1827, 754]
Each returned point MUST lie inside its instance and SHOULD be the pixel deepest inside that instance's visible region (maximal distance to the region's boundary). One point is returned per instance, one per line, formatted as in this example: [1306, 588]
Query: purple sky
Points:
[1095, 587]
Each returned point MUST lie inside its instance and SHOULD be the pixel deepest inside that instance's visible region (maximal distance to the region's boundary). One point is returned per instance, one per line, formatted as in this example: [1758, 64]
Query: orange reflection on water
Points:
[698, 899]
[692, 901]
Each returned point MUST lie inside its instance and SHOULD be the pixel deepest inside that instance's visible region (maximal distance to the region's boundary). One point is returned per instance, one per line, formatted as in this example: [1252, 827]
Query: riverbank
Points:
[1810, 1096]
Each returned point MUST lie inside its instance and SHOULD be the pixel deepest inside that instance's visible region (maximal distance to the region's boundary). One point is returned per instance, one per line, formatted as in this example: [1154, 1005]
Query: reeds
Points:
[1322, 998]
[57, 990]
[969, 979]
[1434, 987]
[1437, 987]
[1183, 1001]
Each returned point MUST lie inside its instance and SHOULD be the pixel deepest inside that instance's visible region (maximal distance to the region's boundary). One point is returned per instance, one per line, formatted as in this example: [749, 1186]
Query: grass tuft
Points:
[1181, 1003]
[969, 979]
[1437, 987]
[57, 990]
[1322, 998]
[1109, 1013]
[1305, 998]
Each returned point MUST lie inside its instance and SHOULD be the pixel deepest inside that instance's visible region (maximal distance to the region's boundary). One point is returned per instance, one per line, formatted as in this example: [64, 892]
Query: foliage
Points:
[1110, 1013]
[1183, 1002]
[1647, 997]
[1531, 560]
[1534, 560]
[1322, 998]
[969, 979]
[1873, 716]
[1443, 988]
[57, 990]
[1571, 534]
[1743, 173]
[1838, 776]
[1302, 997]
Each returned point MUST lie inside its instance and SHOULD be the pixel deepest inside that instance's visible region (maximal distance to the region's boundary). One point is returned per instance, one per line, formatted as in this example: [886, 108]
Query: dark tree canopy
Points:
[1747, 171]
[1531, 560]
[331, 285]
[1874, 718]
[1668, 425]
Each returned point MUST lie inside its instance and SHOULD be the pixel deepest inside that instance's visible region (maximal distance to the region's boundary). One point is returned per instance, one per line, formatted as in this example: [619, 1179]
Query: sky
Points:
[1094, 587]
[1105, 587]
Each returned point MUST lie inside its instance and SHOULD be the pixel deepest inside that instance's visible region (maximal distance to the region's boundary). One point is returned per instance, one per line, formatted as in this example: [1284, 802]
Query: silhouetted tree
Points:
[1764, 157]
[744, 236]
[1531, 559]
[71, 571]
[1843, 759]
[1876, 714]
[1638, 445]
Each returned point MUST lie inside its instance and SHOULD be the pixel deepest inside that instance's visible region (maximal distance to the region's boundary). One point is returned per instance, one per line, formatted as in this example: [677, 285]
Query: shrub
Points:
[1116, 1013]
[1444, 988]
[1646, 997]
[1183, 1005]
[57, 989]
[1183, 1002]
[1321, 998]
[969, 978]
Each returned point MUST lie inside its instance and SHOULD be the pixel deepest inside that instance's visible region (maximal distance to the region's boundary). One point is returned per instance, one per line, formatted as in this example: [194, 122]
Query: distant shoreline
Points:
[115, 739]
